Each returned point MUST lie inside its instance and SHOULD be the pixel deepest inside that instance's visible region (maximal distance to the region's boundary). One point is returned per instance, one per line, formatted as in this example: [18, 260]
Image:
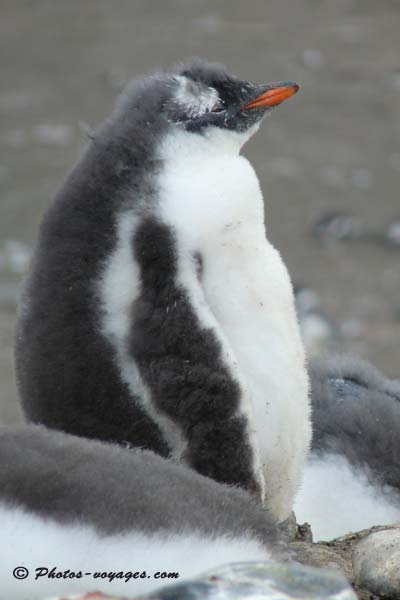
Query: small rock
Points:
[304, 533]
[320, 555]
[376, 563]
[307, 300]
[52, 134]
[289, 528]
[261, 581]
[335, 226]
[317, 332]
[392, 235]
[15, 256]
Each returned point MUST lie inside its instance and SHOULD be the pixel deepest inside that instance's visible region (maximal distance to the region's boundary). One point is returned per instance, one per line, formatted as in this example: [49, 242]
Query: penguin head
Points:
[199, 101]
[205, 97]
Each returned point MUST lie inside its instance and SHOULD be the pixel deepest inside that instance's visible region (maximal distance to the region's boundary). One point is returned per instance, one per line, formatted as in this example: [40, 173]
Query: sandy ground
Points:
[335, 147]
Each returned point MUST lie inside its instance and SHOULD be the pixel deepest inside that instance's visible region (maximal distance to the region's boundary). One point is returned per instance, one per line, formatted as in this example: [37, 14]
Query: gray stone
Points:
[376, 563]
[392, 235]
[261, 581]
[321, 555]
[15, 256]
[332, 227]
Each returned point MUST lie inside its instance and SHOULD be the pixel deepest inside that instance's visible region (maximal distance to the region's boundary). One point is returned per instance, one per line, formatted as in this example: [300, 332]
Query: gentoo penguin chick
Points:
[156, 312]
[88, 506]
[352, 478]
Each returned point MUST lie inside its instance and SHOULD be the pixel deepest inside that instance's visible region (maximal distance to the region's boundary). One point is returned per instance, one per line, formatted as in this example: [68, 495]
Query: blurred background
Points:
[328, 160]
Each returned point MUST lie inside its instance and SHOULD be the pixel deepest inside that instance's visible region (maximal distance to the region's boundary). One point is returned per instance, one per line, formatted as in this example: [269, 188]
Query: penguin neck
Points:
[180, 144]
[205, 181]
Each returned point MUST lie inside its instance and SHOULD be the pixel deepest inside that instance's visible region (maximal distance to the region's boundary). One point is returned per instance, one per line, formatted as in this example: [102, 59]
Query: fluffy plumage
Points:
[85, 506]
[156, 312]
[352, 480]
[67, 373]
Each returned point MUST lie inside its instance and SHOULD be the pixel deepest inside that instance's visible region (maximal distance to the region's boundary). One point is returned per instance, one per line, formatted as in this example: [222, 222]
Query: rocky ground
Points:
[362, 565]
[370, 559]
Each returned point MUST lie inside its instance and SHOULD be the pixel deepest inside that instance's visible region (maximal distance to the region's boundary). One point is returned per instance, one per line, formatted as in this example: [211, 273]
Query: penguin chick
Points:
[156, 312]
[88, 506]
[352, 478]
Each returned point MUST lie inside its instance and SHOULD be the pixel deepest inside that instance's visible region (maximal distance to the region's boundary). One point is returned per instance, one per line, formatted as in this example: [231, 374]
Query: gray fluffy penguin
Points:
[352, 478]
[156, 312]
[84, 506]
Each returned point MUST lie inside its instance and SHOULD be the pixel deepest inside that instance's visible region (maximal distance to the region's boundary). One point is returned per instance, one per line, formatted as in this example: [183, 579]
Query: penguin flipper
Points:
[187, 365]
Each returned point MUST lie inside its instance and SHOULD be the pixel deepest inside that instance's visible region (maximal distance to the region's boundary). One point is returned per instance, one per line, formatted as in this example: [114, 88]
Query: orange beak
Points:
[276, 94]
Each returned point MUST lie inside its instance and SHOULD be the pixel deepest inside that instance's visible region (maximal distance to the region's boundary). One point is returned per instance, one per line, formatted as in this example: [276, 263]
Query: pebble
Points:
[307, 300]
[376, 563]
[52, 134]
[335, 226]
[15, 257]
[317, 333]
[392, 235]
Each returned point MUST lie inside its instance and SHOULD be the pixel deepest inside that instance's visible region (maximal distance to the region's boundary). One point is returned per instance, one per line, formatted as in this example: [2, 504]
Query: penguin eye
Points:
[218, 107]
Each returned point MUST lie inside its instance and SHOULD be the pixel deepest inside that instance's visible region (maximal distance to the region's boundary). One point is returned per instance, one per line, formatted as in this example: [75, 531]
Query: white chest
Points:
[216, 207]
